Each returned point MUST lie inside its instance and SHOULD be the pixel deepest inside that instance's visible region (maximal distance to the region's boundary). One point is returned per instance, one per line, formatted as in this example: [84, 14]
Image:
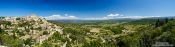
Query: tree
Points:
[2, 17]
[160, 22]
[157, 23]
[1, 30]
[28, 41]
[6, 22]
[17, 18]
[45, 33]
[166, 20]
[46, 44]
[117, 30]
[92, 44]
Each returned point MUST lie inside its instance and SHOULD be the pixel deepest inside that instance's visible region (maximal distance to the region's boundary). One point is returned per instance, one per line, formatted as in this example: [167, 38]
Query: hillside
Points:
[138, 33]
[31, 30]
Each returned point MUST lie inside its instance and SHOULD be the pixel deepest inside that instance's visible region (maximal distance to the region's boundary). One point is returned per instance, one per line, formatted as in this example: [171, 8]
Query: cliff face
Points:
[29, 27]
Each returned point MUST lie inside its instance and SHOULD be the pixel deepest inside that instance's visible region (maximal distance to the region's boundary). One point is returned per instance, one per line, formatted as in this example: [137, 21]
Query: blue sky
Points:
[87, 8]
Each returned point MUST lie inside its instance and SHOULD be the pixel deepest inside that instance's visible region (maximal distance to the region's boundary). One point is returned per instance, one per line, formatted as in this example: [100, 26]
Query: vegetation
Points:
[137, 33]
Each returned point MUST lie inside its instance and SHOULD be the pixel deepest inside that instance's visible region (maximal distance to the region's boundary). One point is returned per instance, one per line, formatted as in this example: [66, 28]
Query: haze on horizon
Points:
[88, 9]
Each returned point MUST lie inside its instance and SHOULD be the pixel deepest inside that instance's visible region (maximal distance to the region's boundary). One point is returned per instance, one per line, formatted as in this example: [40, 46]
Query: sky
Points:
[88, 9]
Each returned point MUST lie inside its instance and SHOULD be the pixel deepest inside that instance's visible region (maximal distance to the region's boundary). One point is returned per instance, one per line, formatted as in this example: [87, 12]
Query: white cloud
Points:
[72, 16]
[137, 17]
[59, 17]
[103, 18]
[112, 15]
[133, 17]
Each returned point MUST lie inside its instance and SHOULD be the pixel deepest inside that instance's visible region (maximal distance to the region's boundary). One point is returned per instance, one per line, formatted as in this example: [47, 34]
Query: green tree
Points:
[117, 30]
[17, 18]
[46, 44]
[28, 42]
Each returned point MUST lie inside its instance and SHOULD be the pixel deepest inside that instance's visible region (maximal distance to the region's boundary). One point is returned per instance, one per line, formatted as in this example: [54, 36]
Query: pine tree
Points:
[1, 31]
[166, 20]
[157, 23]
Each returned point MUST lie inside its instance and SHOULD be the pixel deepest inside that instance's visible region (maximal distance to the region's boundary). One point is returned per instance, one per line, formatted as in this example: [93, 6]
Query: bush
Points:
[45, 33]
[17, 18]
[28, 42]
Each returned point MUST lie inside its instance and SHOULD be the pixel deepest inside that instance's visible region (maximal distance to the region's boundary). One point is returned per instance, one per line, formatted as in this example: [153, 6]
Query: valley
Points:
[33, 31]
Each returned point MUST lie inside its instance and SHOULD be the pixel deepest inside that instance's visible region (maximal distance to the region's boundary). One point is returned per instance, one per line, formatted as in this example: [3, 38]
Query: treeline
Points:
[160, 31]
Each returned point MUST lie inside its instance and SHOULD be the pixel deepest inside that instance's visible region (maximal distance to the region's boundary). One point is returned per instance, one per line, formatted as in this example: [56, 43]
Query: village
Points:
[29, 27]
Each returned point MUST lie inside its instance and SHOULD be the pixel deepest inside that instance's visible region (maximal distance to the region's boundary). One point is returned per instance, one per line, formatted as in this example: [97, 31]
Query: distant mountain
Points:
[110, 20]
[93, 21]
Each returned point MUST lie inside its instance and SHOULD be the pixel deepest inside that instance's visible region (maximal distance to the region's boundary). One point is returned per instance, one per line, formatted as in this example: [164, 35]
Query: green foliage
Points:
[2, 17]
[117, 30]
[92, 44]
[1, 31]
[45, 44]
[78, 34]
[17, 18]
[45, 33]
[161, 22]
[20, 33]
[22, 24]
[5, 22]
[10, 41]
[57, 36]
[28, 42]
[131, 40]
